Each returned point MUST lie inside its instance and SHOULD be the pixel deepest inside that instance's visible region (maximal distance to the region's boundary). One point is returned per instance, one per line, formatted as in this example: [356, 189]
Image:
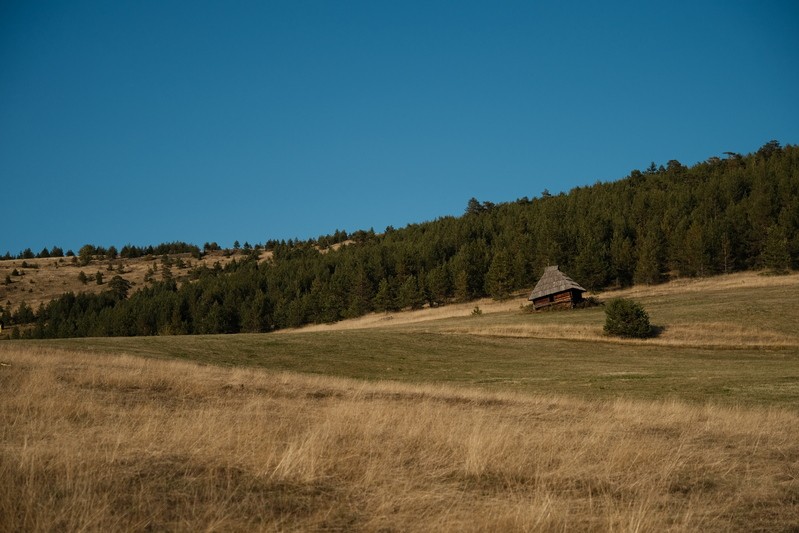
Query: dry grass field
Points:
[122, 443]
[428, 420]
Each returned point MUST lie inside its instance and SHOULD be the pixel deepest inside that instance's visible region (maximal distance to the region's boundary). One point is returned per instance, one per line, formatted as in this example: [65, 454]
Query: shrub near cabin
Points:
[626, 318]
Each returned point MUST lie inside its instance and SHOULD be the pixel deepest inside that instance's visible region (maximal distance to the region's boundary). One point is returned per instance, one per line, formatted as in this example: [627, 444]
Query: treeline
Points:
[168, 248]
[723, 215]
[27, 253]
[128, 251]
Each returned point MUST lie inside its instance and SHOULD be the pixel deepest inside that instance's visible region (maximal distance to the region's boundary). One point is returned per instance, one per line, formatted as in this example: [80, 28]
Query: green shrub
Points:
[626, 318]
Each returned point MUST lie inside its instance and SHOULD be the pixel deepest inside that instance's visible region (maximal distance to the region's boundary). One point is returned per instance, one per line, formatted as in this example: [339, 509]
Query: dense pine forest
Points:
[722, 215]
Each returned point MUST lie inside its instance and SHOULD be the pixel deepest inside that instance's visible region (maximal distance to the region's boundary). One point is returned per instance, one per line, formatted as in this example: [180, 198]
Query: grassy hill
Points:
[716, 217]
[434, 419]
[38, 281]
[730, 339]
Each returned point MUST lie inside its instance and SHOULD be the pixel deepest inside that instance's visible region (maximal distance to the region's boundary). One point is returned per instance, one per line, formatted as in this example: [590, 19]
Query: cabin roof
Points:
[552, 282]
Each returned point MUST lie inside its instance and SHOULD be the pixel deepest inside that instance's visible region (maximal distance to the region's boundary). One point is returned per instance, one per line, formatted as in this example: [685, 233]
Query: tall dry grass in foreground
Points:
[120, 443]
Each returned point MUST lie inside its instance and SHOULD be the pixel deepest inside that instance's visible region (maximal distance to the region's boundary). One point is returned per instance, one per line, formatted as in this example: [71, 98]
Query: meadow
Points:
[503, 421]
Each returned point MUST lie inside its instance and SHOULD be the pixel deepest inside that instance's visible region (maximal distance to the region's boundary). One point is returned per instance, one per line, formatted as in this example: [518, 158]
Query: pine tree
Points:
[410, 295]
[776, 256]
[591, 264]
[85, 253]
[384, 299]
[498, 277]
[438, 285]
[695, 257]
[119, 287]
[462, 286]
[648, 269]
[360, 293]
[622, 259]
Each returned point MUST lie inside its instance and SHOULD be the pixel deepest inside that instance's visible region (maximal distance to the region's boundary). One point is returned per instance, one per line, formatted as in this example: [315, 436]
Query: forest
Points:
[722, 215]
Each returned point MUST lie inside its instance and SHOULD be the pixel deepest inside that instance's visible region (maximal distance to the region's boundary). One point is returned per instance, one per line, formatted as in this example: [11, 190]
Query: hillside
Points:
[40, 280]
[430, 418]
[669, 222]
[715, 343]
[699, 312]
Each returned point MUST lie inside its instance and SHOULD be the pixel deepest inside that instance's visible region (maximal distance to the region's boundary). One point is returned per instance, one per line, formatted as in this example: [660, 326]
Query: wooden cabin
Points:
[556, 289]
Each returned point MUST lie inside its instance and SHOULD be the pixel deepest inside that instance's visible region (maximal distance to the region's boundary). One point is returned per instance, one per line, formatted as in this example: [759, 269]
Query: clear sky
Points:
[151, 121]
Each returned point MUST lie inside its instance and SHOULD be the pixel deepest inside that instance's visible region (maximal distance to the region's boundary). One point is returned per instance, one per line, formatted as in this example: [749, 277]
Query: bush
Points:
[626, 318]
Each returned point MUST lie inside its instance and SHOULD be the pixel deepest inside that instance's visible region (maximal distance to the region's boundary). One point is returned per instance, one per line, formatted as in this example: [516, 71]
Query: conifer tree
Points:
[695, 257]
[591, 264]
[119, 287]
[648, 269]
[384, 299]
[462, 286]
[498, 277]
[410, 295]
[622, 259]
[438, 285]
[776, 256]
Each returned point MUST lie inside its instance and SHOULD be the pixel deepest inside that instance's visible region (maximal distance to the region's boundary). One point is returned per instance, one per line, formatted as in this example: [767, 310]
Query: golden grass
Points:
[697, 334]
[118, 443]
[740, 280]
[401, 318]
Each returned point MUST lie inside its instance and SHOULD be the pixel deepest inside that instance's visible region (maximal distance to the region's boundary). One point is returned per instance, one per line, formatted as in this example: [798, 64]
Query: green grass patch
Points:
[429, 352]
[583, 369]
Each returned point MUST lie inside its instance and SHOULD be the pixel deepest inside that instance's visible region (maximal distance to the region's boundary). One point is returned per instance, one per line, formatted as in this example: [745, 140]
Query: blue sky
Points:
[152, 121]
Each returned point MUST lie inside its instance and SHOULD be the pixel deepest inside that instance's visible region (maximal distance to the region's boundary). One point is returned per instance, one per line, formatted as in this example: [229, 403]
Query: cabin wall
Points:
[560, 299]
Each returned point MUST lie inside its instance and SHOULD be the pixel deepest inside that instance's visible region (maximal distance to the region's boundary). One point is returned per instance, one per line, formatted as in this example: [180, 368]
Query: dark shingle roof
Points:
[552, 282]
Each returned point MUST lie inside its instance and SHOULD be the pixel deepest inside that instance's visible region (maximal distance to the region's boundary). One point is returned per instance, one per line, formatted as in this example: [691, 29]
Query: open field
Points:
[122, 443]
[713, 347]
[432, 420]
